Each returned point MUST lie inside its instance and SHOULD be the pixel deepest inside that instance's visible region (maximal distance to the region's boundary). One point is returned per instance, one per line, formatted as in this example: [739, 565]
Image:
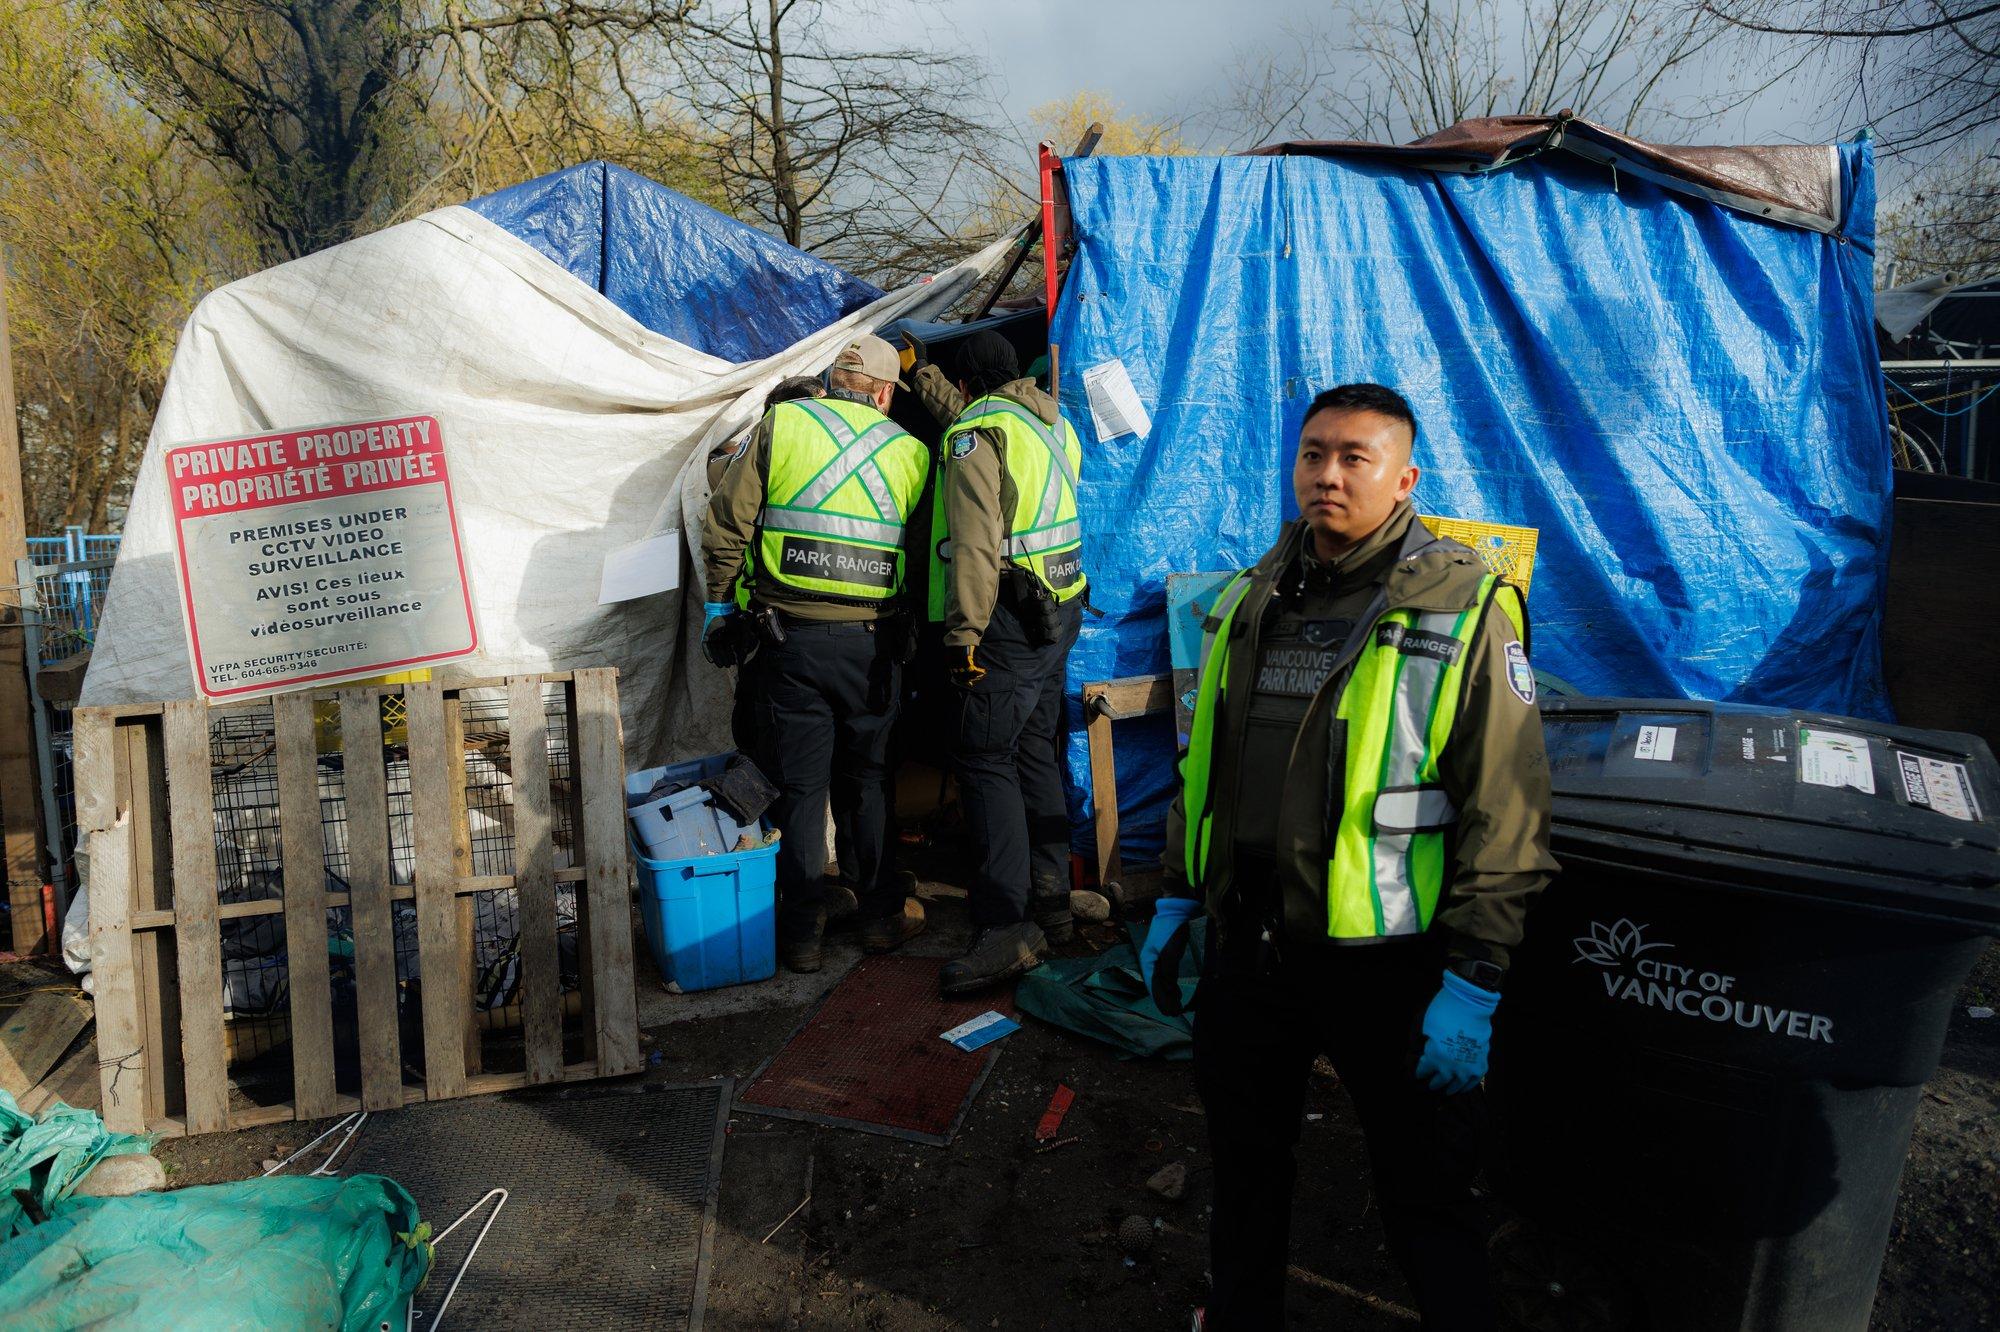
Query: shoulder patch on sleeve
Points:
[963, 443]
[1520, 675]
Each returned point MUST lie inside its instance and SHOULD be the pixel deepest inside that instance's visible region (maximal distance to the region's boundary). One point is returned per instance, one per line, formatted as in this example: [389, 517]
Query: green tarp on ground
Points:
[46, 1156]
[1104, 998]
[258, 1254]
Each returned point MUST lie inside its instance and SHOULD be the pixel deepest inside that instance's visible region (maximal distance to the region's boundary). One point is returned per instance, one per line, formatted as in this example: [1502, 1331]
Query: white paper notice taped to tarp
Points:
[1834, 758]
[641, 569]
[327, 553]
[1115, 408]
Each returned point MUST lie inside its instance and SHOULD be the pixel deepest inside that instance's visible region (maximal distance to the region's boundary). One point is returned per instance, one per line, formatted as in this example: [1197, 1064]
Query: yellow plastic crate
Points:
[1508, 551]
[395, 719]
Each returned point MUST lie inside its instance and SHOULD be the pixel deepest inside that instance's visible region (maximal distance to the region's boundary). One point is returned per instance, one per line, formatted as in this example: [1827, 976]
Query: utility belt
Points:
[895, 629]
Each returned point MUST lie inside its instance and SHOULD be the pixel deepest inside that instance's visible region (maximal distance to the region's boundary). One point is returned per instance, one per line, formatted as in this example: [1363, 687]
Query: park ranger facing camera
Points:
[1364, 817]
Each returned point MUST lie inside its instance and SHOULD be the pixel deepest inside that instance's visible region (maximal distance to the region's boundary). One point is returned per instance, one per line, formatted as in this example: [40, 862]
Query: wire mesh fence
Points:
[62, 603]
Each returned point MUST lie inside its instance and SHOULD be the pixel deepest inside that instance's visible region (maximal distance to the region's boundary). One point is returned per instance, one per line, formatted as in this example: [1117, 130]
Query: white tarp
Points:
[571, 430]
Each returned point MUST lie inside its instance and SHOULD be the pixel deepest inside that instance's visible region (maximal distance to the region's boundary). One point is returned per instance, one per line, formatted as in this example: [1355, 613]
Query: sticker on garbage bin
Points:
[1833, 758]
[1655, 742]
[1937, 785]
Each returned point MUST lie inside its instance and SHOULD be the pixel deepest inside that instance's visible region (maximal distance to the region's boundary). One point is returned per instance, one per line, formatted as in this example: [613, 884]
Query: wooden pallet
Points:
[144, 800]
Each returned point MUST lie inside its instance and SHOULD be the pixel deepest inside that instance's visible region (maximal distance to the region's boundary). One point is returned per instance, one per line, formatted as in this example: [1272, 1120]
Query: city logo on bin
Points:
[1630, 976]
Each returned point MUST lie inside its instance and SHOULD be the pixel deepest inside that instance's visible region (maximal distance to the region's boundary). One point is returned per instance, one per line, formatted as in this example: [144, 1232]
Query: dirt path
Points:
[990, 1233]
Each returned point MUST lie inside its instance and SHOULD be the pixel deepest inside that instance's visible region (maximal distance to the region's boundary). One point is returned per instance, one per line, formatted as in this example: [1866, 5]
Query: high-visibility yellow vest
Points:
[842, 480]
[1044, 533]
[1399, 700]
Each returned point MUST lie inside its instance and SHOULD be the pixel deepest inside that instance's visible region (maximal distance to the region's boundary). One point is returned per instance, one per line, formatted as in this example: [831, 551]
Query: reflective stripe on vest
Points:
[842, 479]
[1386, 871]
[1045, 521]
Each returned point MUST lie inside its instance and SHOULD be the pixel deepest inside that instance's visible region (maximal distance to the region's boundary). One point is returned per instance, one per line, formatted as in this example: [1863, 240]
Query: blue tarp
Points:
[1684, 400]
[679, 267]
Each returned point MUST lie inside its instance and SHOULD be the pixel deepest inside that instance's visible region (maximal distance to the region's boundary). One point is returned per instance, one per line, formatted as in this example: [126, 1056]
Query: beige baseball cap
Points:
[870, 356]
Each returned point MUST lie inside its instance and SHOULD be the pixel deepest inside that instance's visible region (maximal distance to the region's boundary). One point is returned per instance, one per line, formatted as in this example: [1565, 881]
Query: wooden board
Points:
[304, 841]
[1935, 547]
[368, 899]
[142, 790]
[534, 879]
[598, 746]
[73, 1082]
[1104, 702]
[197, 941]
[440, 949]
[106, 833]
[34, 1036]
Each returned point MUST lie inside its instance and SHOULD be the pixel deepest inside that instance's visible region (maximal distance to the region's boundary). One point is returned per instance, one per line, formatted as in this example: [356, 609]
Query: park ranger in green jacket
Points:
[1007, 583]
[1364, 819]
[803, 556]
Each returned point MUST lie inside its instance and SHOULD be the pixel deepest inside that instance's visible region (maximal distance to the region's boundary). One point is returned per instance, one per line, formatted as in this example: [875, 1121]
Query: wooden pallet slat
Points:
[106, 833]
[304, 906]
[142, 788]
[534, 880]
[368, 899]
[598, 748]
[197, 938]
[440, 950]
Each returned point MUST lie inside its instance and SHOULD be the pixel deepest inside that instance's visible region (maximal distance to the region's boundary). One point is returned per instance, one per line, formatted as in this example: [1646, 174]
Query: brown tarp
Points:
[1794, 184]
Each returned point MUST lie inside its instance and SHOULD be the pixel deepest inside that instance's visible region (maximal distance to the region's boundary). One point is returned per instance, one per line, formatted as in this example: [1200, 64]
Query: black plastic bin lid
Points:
[1849, 812]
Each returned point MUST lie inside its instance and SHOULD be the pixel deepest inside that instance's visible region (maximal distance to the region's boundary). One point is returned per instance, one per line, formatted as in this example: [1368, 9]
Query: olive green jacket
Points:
[1493, 765]
[979, 500]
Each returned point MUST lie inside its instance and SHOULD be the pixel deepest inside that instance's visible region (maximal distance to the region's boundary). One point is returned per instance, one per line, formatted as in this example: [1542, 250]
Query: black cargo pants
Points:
[823, 703]
[1258, 1023]
[1007, 756]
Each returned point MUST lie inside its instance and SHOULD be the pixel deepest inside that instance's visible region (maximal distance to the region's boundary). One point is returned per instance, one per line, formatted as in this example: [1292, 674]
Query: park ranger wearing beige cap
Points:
[803, 557]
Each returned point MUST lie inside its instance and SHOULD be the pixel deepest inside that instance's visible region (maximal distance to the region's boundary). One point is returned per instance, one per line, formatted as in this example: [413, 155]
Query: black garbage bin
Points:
[1715, 1036]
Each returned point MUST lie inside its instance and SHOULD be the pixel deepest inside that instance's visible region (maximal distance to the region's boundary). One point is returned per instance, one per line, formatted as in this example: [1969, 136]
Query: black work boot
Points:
[998, 953]
[804, 953]
[887, 933]
[1048, 907]
[841, 904]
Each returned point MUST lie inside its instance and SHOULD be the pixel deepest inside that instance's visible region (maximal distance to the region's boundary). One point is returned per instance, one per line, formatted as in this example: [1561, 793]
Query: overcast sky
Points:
[1175, 59]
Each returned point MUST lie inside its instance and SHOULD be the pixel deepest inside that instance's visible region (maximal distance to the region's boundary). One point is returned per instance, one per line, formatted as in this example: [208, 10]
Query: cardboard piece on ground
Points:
[74, 1082]
[34, 1036]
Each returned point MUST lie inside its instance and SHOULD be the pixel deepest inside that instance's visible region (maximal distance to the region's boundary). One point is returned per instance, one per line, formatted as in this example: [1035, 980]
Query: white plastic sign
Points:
[328, 553]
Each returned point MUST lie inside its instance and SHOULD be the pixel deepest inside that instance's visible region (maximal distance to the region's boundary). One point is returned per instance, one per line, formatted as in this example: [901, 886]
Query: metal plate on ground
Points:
[610, 1215]
[871, 1057]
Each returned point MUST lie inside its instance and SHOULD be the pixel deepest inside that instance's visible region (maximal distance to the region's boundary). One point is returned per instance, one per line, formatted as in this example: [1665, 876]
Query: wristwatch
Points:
[1483, 974]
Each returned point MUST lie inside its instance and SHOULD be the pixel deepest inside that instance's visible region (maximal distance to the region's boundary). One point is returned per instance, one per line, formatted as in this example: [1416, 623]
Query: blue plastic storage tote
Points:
[711, 920]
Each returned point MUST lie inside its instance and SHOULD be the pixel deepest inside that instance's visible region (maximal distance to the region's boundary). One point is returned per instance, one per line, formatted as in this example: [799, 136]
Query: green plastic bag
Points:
[1104, 998]
[258, 1254]
[47, 1156]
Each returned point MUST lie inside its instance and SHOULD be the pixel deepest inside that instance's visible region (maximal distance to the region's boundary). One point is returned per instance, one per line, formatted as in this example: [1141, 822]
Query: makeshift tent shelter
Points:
[1661, 358]
[582, 339]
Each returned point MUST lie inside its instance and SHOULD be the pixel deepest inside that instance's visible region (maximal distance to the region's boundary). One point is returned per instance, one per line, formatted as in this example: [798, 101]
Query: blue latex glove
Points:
[1458, 1032]
[1169, 915]
[711, 611]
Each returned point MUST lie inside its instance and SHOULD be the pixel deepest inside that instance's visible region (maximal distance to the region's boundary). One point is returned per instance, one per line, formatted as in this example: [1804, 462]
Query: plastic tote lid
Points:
[1766, 800]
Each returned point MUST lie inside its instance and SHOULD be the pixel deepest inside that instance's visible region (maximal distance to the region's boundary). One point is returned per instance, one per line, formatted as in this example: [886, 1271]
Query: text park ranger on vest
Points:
[1364, 817]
